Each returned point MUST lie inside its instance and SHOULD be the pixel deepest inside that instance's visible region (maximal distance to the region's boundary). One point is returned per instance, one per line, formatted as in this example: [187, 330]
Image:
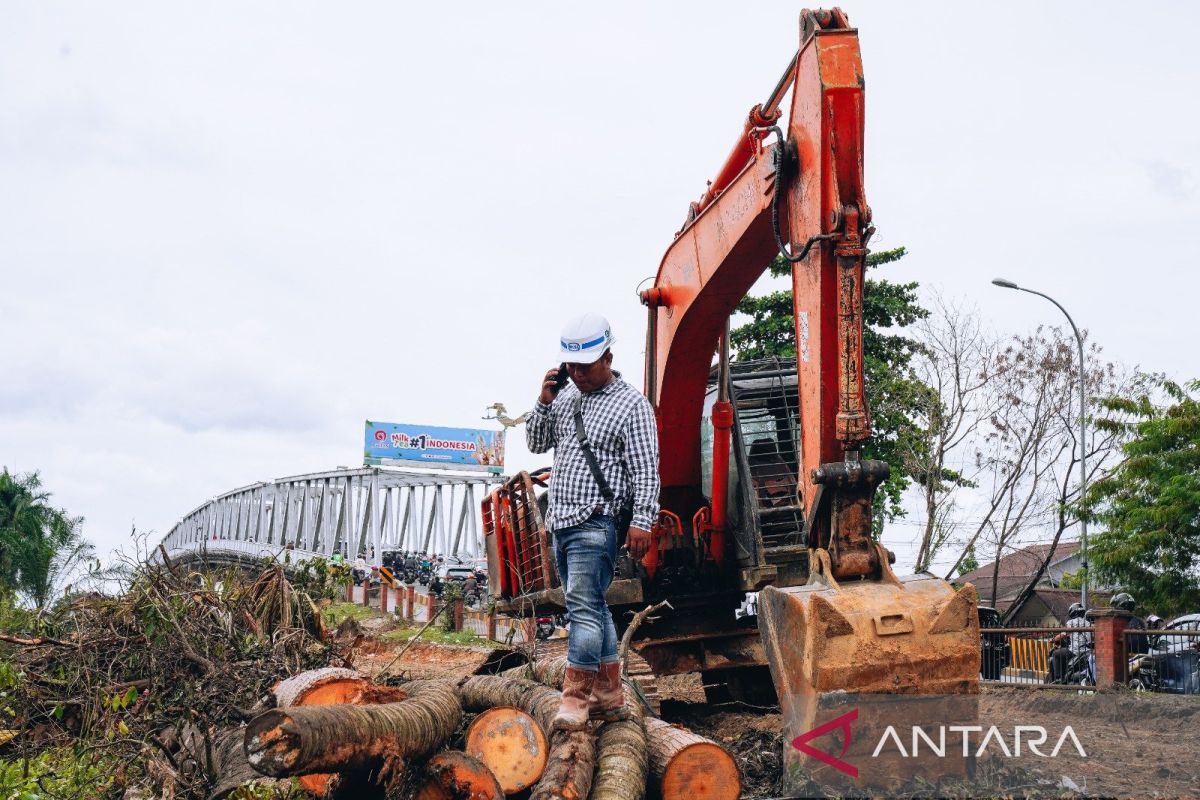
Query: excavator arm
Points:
[799, 183]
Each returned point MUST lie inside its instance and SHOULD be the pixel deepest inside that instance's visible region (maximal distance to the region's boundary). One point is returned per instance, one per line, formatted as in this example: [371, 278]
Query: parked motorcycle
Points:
[545, 627]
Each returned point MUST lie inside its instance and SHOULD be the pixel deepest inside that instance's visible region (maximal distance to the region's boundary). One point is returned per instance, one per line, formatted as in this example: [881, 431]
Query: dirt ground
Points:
[1138, 745]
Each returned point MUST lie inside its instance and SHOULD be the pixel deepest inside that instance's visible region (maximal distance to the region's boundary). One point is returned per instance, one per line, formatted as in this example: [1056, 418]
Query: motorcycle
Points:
[423, 577]
[545, 627]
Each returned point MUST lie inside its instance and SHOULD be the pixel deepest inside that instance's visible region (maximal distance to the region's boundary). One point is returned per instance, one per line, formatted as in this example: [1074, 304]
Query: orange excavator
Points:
[763, 485]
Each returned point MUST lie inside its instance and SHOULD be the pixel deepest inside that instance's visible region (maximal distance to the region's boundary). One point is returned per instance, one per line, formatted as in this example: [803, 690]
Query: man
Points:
[620, 432]
[1137, 643]
[1077, 618]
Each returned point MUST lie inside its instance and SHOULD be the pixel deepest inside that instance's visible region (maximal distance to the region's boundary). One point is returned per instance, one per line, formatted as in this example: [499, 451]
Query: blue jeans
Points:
[585, 555]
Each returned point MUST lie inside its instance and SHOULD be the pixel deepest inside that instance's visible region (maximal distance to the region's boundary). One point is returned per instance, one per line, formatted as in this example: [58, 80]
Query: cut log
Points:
[621, 760]
[333, 686]
[305, 739]
[690, 767]
[221, 756]
[511, 744]
[572, 756]
[459, 776]
[327, 687]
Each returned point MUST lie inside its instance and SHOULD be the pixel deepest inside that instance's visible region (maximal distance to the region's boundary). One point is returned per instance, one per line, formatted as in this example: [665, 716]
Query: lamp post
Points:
[1007, 284]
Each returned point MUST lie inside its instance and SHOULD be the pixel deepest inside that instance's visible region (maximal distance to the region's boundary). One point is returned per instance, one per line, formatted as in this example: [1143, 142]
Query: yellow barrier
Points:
[1031, 654]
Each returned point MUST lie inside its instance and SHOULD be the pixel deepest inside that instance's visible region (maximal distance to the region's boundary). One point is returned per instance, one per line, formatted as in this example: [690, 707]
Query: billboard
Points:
[432, 446]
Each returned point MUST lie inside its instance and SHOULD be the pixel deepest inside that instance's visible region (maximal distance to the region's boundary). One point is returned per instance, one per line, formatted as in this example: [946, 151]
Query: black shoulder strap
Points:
[586, 446]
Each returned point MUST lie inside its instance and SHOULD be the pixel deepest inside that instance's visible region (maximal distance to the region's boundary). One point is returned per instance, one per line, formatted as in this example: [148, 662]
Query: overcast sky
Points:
[230, 232]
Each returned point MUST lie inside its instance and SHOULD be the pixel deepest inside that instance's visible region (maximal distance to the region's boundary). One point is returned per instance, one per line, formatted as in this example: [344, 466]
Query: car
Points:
[455, 572]
[1176, 658]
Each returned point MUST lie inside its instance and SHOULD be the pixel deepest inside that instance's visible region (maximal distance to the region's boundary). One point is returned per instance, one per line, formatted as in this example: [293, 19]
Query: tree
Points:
[958, 364]
[893, 394]
[1150, 504]
[39, 544]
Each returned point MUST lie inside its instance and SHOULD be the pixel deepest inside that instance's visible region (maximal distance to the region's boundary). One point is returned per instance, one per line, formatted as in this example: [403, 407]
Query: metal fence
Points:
[1027, 656]
[1163, 661]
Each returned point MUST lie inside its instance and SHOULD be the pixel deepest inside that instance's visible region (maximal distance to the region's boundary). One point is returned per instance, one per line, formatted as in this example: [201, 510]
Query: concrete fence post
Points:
[491, 625]
[408, 603]
[458, 613]
[383, 597]
[366, 587]
[1112, 656]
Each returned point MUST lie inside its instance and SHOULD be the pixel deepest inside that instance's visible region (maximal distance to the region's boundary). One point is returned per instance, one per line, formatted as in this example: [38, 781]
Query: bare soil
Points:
[1138, 745]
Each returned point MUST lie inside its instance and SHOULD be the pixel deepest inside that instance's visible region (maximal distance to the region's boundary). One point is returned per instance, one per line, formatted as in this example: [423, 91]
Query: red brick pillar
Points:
[430, 609]
[1112, 657]
[408, 603]
[529, 626]
[366, 586]
[383, 596]
[350, 592]
[491, 626]
[458, 613]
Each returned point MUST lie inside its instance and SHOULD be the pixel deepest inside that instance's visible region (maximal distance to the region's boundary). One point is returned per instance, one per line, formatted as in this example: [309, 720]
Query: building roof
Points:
[1018, 564]
[1058, 601]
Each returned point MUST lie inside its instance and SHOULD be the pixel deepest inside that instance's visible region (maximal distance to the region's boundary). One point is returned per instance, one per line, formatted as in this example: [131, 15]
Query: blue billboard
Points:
[432, 446]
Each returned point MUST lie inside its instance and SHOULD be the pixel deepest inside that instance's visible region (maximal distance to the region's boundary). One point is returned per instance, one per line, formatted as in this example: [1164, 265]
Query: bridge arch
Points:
[364, 509]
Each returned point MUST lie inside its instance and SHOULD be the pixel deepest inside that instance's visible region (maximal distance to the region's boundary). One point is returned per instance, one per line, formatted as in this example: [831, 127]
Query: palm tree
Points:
[39, 545]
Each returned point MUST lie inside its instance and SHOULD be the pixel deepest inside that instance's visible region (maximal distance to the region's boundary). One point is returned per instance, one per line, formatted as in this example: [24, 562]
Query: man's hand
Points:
[548, 391]
[638, 542]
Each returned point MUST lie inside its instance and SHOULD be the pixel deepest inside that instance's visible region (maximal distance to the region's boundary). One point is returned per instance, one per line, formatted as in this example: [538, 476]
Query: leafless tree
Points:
[1028, 445]
[959, 364]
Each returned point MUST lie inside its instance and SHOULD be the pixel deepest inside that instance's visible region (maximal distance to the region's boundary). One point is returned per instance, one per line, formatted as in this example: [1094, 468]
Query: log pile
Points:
[335, 725]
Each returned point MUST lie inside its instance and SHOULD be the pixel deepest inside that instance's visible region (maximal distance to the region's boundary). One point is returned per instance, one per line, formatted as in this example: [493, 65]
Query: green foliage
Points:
[63, 772]
[969, 563]
[38, 543]
[321, 579]
[1071, 580]
[452, 592]
[894, 395]
[1150, 504]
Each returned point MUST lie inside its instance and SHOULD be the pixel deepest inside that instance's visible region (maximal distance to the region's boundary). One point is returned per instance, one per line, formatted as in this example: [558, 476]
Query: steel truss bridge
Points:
[351, 511]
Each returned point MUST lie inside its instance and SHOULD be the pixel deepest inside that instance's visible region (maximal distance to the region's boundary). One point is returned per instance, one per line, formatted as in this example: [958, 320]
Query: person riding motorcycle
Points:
[1060, 659]
[1137, 643]
[1077, 618]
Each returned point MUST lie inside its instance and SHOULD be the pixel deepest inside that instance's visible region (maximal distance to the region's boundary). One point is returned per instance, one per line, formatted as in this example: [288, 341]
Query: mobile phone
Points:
[560, 380]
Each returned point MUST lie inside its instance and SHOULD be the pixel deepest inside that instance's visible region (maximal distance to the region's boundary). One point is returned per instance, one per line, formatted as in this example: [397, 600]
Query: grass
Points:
[435, 633]
[336, 612]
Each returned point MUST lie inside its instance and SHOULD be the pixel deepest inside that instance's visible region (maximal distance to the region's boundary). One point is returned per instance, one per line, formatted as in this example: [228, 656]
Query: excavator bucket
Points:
[875, 642]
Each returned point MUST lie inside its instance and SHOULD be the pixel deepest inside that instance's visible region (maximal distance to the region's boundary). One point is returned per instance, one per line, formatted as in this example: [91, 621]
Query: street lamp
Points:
[1007, 284]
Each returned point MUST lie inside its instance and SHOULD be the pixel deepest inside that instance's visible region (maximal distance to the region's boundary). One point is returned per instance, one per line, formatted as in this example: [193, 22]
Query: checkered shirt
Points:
[619, 423]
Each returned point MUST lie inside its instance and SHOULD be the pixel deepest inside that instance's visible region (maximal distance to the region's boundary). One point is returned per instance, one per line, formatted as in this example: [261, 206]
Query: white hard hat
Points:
[584, 339]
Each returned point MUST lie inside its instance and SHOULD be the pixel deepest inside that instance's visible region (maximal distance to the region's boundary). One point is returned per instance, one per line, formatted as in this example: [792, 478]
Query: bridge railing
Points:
[349, 511]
